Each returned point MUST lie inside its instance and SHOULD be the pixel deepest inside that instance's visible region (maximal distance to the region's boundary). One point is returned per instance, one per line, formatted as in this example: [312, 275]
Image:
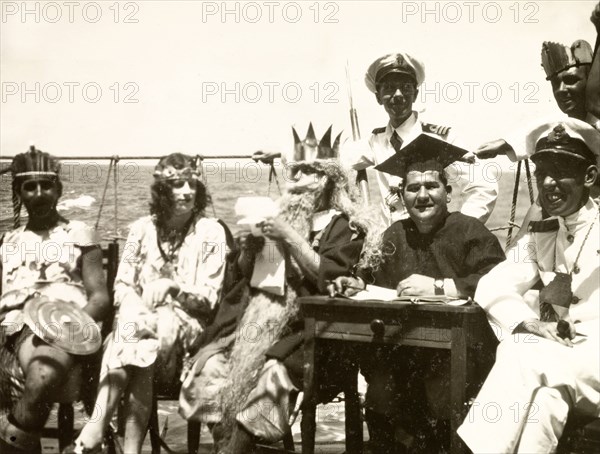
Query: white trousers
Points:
[524, 402]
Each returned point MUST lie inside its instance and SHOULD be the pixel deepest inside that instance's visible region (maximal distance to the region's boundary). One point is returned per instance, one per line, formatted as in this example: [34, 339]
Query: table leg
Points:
[458, 383]
[354, 423]
[307, 425]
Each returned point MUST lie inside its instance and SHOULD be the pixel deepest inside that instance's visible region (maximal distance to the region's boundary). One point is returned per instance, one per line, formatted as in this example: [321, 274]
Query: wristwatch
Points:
[438, 286]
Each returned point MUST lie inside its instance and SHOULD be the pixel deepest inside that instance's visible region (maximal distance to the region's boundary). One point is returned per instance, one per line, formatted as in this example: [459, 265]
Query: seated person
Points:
[166, 287]
[319, 233]
[57, 258]
[432, 252]
[548, 360]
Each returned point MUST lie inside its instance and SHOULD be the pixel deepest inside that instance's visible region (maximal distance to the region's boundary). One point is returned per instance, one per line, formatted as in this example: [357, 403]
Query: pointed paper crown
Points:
[557, 57]
[309, 149]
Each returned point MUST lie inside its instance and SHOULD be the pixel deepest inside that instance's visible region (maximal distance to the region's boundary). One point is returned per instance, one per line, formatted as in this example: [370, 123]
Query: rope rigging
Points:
[513, 208]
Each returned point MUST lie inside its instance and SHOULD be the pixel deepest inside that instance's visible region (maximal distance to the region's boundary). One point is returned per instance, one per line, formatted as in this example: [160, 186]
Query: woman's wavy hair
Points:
[161, 205]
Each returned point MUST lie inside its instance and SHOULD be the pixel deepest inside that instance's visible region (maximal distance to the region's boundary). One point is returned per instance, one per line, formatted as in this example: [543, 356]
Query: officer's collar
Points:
[585, 215]
[404, 129]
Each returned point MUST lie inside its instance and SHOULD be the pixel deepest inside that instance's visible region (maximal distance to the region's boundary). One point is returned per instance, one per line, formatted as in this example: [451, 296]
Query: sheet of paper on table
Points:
[373, 292]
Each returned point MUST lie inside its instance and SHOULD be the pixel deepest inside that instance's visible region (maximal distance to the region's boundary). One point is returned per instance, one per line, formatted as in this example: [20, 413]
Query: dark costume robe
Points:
[462, 249]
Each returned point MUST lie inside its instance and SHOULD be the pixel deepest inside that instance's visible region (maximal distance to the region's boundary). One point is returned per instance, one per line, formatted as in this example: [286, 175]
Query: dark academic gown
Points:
[462, 249]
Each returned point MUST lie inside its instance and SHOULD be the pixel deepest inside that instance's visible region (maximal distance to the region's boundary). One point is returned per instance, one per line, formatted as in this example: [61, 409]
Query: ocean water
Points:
[84, 185]
[226, 180]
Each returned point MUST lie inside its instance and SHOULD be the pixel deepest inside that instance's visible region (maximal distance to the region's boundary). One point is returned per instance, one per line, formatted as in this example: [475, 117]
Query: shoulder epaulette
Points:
[379, 130]
[436, 129]
[548, 225]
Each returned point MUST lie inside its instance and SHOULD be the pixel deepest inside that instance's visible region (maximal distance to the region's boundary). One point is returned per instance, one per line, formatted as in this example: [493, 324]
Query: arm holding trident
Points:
[361, 175]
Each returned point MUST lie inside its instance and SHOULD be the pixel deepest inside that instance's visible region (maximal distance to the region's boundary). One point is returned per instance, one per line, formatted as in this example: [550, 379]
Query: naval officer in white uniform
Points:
[542, 372]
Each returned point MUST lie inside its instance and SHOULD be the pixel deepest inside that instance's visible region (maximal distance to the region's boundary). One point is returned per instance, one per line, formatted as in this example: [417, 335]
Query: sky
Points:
[228, 78]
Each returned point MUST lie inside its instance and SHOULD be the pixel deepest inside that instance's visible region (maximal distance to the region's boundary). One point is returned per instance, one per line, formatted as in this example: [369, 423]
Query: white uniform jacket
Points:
[479, 191]
[536, 383]
[536, 256]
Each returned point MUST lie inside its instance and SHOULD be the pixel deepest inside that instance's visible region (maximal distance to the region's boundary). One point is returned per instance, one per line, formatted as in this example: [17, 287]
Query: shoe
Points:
[77, 448]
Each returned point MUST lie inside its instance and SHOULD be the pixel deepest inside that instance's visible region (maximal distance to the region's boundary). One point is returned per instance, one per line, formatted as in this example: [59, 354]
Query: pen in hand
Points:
[331, 287]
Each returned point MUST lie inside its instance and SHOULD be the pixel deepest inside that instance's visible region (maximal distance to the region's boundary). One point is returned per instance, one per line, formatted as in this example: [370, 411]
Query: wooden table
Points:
[460, 329]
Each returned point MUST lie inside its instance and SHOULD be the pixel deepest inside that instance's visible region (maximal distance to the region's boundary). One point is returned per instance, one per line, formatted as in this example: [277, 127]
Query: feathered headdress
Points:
[558, 57]
[33, 163]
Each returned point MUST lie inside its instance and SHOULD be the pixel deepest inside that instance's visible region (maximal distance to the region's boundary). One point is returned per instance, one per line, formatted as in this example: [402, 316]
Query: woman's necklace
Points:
[174, 239]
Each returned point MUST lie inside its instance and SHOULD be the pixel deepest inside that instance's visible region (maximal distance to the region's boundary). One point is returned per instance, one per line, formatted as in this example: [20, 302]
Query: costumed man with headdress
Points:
[395, 80]
[317, 236]
[47, 265]
[433, 252]
[567, 68]
[545, 367]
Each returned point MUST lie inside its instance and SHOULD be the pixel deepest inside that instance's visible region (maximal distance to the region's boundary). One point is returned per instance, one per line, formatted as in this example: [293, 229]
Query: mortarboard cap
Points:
[424, 153]
[400, 63]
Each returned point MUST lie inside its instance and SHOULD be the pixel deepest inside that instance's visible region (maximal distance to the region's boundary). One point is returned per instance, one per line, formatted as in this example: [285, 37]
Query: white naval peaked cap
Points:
[400, 63]
[547, 137]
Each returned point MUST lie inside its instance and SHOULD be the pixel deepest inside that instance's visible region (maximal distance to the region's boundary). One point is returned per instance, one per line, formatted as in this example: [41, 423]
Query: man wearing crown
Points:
[243, 384]
[395, 80]
[548, 360]
[50, 260]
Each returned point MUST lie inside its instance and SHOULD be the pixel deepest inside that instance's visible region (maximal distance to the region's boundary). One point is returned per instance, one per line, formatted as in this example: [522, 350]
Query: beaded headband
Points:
[171, 173]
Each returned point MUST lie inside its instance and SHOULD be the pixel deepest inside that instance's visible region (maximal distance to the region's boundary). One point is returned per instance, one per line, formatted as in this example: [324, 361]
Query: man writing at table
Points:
[432, 252]
[542, 371]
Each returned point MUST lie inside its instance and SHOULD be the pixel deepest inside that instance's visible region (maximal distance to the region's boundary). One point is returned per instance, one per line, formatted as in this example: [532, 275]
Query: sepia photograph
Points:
[243, 227]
